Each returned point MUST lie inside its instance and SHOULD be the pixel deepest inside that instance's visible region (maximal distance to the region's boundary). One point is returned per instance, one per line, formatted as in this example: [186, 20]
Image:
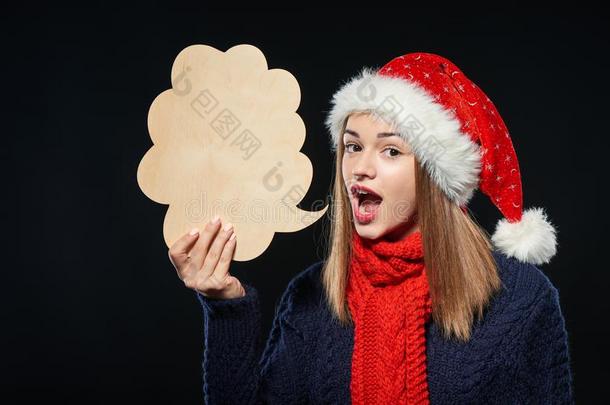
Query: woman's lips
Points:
[357, 188]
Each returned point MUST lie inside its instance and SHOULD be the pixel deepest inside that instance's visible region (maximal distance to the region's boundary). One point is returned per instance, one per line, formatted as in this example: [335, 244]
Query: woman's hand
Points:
[202, 261]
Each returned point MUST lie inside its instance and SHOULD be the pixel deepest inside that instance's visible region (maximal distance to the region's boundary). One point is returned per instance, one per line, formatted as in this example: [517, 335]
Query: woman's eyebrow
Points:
[379, 135]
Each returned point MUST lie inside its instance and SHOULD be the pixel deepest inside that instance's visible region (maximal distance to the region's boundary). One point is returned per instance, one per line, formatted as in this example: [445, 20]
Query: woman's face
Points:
[383, 163]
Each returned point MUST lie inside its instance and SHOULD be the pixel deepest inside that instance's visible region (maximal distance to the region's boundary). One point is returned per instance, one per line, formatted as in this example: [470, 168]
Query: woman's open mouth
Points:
[365, 203]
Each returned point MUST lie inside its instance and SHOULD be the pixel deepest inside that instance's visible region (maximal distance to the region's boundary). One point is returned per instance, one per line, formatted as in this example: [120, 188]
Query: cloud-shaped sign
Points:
[227, 141]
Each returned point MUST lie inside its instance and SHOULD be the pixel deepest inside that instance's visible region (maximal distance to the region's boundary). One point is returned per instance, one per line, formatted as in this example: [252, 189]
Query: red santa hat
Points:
[458, 136]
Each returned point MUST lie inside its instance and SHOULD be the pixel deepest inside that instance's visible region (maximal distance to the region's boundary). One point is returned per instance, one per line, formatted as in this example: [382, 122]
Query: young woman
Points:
[414, 303]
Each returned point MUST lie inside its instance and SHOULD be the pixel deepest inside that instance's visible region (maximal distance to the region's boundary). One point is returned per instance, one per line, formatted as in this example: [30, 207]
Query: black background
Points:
[93, 311]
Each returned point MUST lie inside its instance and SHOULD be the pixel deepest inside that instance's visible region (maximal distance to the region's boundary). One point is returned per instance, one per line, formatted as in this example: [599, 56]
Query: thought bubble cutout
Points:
[226, 140]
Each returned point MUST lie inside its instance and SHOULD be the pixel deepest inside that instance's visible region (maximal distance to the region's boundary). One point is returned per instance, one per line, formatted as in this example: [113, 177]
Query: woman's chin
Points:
[370, 231]
[376, 230]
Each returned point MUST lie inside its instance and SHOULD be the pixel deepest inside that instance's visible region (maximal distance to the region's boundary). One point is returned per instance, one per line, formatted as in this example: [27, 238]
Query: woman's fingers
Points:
[220, 280]
[201, 248]
[215, 251]
[178, 252]
[221, 272]
[202, 260]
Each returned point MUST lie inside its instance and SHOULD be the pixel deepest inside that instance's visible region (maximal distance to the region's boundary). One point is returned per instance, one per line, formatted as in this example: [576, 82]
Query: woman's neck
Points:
[401, 232]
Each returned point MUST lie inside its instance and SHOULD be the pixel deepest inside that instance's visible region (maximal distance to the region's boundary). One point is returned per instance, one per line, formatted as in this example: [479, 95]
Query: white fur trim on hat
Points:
[451, 158]
[531, 240]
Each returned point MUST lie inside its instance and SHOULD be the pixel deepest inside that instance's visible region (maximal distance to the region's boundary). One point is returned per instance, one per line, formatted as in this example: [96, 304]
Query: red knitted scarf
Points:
[389, 301]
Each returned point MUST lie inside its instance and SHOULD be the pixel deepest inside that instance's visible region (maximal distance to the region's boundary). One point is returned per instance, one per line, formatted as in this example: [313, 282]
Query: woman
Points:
[414, 303]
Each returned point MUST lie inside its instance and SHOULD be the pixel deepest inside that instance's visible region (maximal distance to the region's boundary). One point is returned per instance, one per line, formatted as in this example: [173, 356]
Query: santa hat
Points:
[458, 136]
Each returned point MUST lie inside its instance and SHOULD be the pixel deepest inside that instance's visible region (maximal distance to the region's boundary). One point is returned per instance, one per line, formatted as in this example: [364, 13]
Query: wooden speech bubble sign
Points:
[226, 140]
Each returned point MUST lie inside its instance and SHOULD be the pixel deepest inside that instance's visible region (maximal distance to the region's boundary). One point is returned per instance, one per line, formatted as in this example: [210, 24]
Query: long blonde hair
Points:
[460, 266]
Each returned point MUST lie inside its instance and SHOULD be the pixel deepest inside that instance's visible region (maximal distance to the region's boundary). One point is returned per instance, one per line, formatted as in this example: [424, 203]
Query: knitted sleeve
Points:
[547, 353]
[236, 369]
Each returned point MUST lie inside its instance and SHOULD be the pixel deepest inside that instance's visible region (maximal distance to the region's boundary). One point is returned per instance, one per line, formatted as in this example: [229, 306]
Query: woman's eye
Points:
[398, 153]
[348, 145]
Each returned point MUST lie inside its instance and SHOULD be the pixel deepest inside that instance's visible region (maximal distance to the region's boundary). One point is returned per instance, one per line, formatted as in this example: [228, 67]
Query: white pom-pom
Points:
[531, 240]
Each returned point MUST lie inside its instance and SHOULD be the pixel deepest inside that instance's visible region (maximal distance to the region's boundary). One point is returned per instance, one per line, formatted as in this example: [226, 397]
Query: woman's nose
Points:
[364, 167]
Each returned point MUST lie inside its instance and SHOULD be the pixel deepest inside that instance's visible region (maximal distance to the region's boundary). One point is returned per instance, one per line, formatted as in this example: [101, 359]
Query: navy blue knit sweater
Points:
[518, 353]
